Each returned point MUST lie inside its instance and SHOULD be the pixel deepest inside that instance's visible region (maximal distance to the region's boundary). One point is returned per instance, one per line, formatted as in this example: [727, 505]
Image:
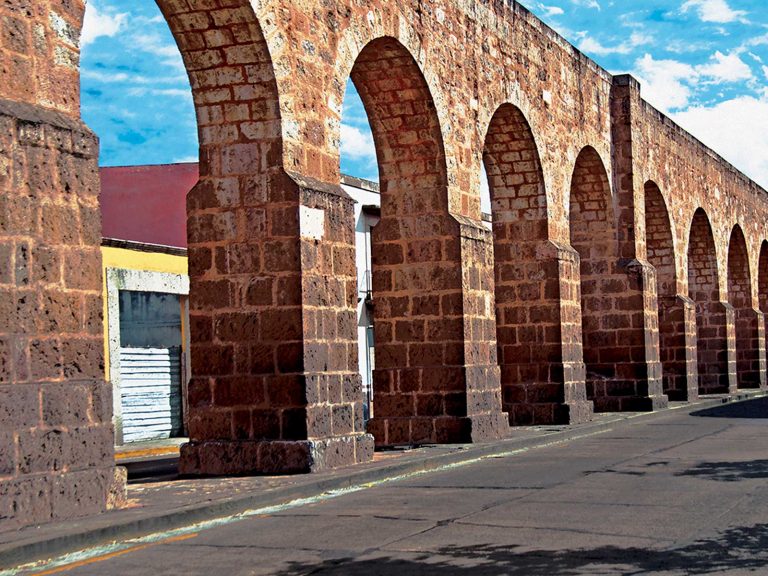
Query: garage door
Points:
[150, 386]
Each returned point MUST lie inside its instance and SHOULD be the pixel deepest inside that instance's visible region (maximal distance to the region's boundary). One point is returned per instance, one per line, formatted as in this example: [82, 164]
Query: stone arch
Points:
[593, 236]
[525, 271]
[676, 314]
[712, 316]
[271, 324]
[420, 383]
[386, 22]
[748, 373]
[660, 244]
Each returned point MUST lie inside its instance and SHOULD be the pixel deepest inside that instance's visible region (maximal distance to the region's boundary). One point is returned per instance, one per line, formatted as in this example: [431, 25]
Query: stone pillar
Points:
[436, 379]
[483, 386]
[716, 347]
[677, 335]
[750, 348]
[761, 356]
[542, 372]
[56, 435]
[275, 385]
[624, 369]
[632, 324]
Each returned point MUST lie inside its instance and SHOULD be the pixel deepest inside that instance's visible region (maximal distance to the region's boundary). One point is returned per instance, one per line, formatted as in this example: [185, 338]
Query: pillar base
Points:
[560, 400]
[677, 348]
[415, 430]
[537, 404]
[273, 457]
[631, 403]
[437, 405]
[41, 498]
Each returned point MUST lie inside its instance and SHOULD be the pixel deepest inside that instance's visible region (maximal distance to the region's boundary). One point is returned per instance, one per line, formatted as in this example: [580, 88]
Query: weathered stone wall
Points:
[718, 232]
[56, 436]
[597, 287]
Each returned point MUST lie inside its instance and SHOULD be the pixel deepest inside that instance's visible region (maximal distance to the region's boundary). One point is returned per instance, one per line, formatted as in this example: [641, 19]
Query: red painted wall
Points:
[147, 203]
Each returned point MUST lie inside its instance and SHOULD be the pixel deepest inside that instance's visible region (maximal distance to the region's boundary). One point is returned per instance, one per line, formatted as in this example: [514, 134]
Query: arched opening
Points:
[360, 179]
[748, 374]
[659, 242]
[674, 313]
[711, 315]
[135, 91]
[527, 313]
[136, 96]
[419, 382]
[605, 337]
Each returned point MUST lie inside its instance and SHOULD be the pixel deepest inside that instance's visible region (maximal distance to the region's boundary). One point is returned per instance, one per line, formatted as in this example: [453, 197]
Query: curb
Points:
[30, 550]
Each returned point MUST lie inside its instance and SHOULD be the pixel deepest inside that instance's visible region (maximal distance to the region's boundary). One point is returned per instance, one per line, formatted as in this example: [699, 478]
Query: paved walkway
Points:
[679, 492]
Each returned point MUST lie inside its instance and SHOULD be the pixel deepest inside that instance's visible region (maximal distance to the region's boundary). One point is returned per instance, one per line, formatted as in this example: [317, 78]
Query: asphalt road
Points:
[682, 494]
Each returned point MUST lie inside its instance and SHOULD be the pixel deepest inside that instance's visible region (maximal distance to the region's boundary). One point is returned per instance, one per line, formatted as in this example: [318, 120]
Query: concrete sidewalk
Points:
[156, 506]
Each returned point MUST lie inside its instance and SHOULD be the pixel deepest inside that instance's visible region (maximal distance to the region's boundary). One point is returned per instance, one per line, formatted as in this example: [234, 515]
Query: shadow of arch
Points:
[739, 548]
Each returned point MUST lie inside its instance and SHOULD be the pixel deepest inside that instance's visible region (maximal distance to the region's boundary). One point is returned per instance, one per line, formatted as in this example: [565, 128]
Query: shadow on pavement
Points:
[744, 548]
[757, 408]
[730, 471]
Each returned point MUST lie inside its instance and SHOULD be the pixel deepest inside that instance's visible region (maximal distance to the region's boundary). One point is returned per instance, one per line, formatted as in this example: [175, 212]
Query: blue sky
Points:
[703, 62]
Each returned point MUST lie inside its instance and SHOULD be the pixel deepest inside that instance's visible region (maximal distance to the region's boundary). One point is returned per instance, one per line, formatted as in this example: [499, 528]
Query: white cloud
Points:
[588, 3]
[552, 10]
[668, 84]
[687, 45]
[713, 11]
[664, 82]
[765, 72]
[722, 68]
[107, 77]
[185, 160]
[124, 77]
[357, 144]
[167, 52]
[737, 129]
[96, 24]
[140, 91]
[153, 44]
[635, 40]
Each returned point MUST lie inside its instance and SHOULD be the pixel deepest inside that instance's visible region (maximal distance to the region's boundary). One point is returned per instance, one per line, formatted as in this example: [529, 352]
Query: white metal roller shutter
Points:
[150, 387]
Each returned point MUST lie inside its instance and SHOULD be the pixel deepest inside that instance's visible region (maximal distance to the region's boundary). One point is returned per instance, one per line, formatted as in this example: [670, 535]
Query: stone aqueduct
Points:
[628, 263]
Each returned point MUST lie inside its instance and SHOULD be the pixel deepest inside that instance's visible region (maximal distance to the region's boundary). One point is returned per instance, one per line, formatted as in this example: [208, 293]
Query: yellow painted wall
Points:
[134, 260]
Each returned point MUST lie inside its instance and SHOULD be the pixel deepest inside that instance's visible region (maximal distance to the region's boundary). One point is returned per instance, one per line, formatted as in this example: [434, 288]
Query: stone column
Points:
[542, 371]
[273, 295]
[623, 366]
[716, 347]
[632, 324]
[750, 347]
[436, 379]
[762, 361]
[677, 334]
[56, 435]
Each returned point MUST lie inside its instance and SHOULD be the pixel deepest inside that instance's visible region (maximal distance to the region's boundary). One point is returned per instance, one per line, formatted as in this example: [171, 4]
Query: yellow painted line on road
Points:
[101, 553]
[110, 555]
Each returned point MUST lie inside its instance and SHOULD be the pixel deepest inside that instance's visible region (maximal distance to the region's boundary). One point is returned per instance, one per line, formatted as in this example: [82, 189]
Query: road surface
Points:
[681, 494]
